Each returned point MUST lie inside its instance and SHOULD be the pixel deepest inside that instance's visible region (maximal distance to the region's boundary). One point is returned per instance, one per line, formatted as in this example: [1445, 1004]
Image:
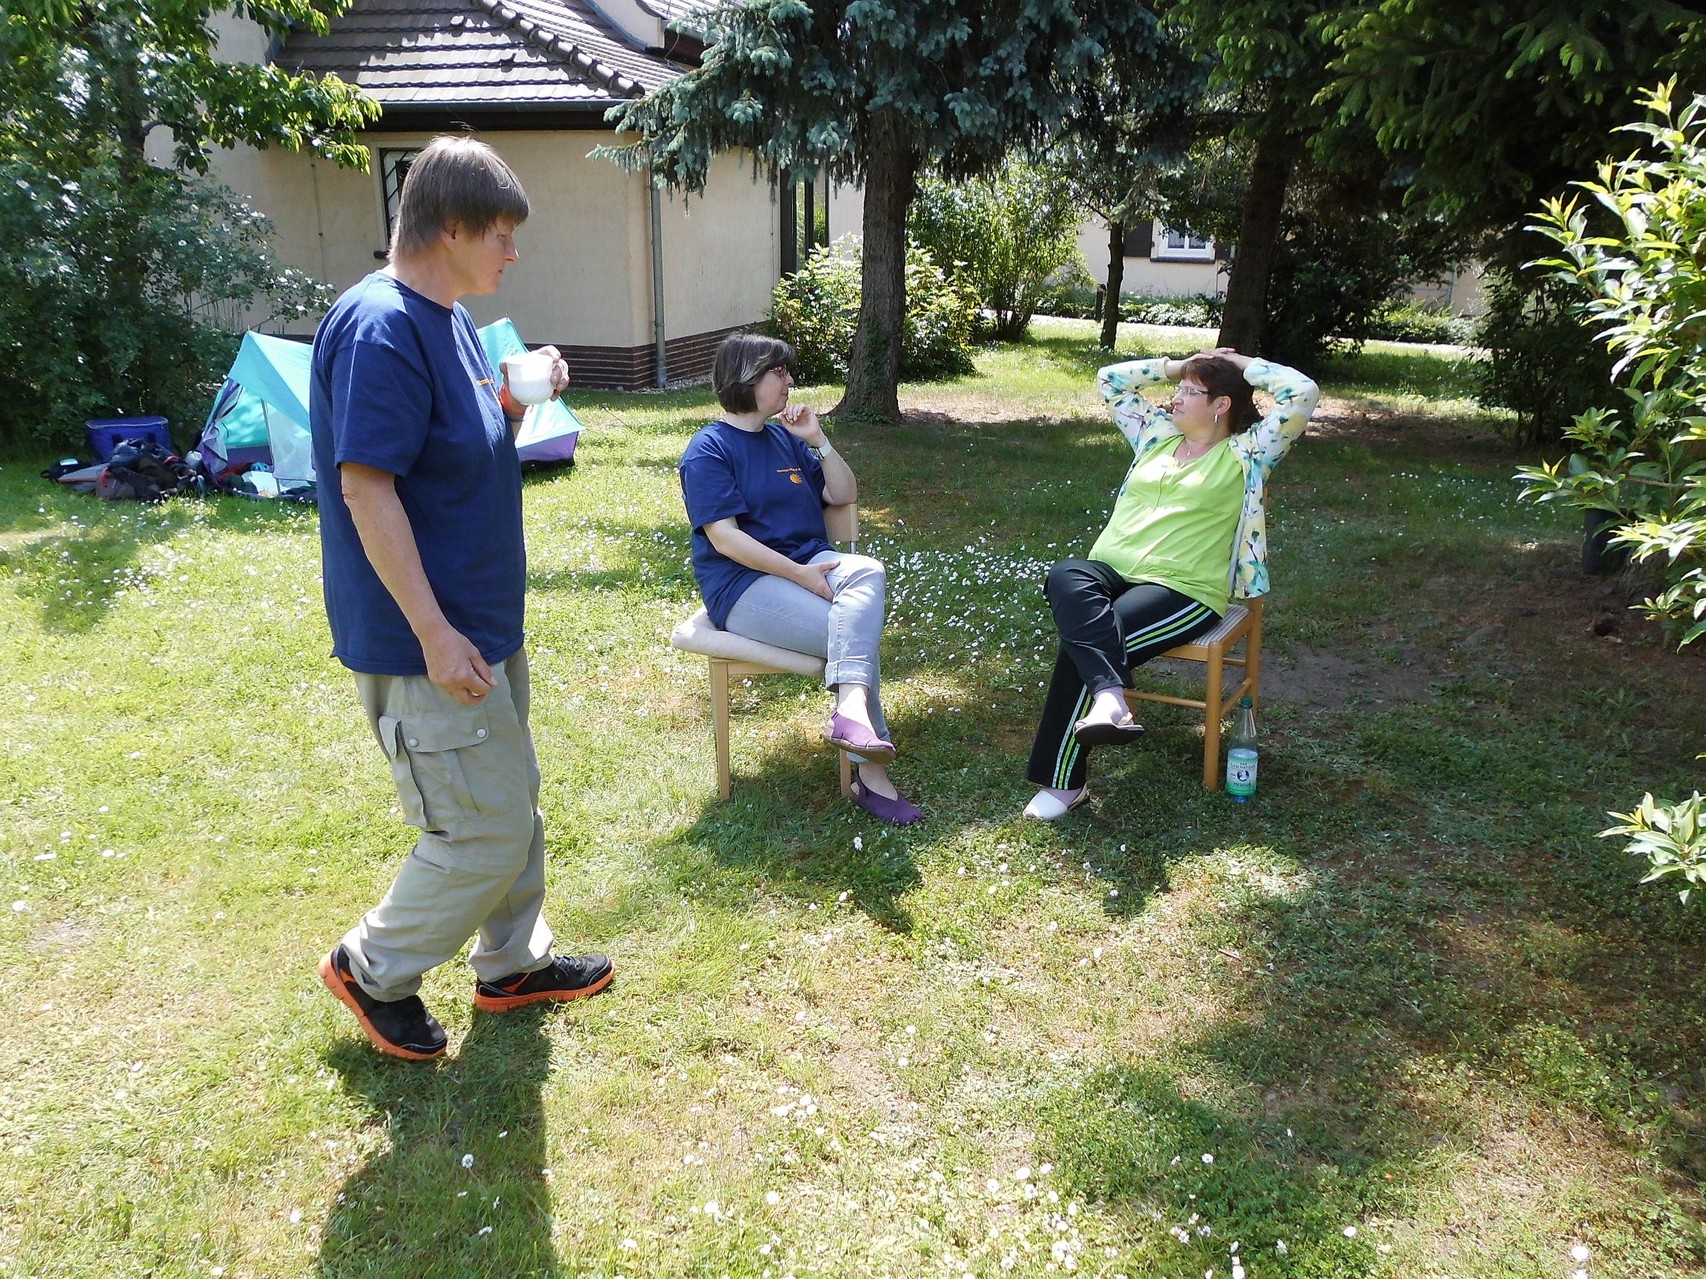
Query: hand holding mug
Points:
[535, 376]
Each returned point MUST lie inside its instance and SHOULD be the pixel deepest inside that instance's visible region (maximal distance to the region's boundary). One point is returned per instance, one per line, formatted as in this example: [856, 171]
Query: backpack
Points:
[143, 471]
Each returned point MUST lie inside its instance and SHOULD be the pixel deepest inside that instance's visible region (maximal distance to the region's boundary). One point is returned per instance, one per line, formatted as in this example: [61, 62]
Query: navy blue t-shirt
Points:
[402, 384]
[768, 482]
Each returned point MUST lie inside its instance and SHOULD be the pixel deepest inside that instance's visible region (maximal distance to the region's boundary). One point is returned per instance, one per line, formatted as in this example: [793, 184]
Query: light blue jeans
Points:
[844, 631]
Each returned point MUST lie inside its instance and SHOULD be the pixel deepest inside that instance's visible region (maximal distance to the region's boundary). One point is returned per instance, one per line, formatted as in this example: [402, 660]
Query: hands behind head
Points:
[1227, 353]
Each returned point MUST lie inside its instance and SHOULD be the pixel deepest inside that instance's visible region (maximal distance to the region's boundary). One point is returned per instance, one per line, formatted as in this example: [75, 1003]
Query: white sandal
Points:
[1044, 807]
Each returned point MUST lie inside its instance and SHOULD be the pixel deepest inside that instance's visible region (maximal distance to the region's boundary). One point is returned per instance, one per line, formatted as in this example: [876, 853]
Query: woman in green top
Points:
[1186, 534]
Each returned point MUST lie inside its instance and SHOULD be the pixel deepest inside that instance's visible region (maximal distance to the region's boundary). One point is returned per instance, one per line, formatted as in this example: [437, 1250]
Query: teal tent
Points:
[261, 415]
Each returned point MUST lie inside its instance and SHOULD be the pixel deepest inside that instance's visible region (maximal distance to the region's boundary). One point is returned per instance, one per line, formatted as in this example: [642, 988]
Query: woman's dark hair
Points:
[742, 361]
[1222, 377]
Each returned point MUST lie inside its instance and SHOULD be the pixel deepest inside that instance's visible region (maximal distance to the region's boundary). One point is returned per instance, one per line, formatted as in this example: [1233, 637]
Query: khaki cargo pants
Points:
[467, 776]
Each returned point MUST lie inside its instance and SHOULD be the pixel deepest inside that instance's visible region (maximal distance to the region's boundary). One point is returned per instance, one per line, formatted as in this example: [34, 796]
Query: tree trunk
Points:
[1116, 280]
[1243, 324]
[873, 375]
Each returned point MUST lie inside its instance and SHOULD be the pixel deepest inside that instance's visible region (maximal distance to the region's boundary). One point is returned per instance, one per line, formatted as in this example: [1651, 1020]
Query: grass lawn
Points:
[1404, 1015]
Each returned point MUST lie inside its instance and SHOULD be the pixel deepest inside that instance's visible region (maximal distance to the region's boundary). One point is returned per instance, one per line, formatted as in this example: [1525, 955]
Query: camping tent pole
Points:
[657, 286]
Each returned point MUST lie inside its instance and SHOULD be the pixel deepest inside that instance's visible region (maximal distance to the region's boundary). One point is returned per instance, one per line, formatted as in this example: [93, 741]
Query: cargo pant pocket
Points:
[426, 763]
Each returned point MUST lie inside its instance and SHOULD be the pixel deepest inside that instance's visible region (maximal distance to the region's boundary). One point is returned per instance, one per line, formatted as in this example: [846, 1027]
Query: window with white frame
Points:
[393, 169]
[1180, 246]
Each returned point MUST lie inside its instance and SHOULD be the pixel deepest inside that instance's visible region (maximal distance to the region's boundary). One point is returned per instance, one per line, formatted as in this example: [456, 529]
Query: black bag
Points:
[143, 471]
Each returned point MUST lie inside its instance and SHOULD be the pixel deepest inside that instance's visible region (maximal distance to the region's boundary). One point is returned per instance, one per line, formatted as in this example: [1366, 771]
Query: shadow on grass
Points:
[412, 1208]
[75, 576]
[1434, 373]
[787, 827]
[1391, 1014]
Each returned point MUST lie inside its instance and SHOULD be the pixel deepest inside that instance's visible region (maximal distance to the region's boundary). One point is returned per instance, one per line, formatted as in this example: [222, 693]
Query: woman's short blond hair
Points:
[455, 181]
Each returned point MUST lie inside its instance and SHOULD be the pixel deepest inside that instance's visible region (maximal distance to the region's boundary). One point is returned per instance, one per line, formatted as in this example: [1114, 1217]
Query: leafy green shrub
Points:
[816, 311]
[1195, 311]
[1339, 265]
[1002, 239]
[1072, 301]
[123, 297]
[940, 318]
[1411, 321]
[1541, 362]
[1672, 839]
[1631, 258]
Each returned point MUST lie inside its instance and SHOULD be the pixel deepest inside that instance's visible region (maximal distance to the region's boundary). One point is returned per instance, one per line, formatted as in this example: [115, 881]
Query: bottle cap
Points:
[1245, 701]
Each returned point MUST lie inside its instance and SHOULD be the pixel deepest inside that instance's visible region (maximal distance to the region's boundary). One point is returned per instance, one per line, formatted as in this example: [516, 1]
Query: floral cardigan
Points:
[1258, 449]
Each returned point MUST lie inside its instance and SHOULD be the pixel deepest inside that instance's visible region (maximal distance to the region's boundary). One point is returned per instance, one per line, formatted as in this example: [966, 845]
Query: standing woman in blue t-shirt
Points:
[755, 491]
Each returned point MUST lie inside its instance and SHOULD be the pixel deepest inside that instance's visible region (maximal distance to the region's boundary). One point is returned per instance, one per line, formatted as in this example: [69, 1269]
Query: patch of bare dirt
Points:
[61, 935]
[1325, 679]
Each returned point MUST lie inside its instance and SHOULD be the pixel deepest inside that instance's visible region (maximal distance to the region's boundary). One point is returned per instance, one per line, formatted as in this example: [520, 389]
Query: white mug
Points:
[530, 377]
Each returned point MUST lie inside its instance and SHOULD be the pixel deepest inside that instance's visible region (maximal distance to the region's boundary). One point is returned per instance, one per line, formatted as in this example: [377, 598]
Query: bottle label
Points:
[1241, 771]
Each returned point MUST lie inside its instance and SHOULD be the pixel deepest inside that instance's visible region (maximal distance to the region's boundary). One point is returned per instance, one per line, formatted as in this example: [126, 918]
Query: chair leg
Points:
[720, 724]
[1211, 721]
[846, 774]
[1253, 655]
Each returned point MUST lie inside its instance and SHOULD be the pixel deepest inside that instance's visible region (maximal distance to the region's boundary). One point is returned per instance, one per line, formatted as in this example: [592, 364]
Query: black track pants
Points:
[1107, 626]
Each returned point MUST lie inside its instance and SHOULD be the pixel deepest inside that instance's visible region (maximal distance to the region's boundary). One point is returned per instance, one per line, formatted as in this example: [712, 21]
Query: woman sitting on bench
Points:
[1157, 576]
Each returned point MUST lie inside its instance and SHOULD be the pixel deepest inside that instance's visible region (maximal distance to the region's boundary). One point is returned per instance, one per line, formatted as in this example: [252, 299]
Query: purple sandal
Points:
[848, 736]
[896, 812]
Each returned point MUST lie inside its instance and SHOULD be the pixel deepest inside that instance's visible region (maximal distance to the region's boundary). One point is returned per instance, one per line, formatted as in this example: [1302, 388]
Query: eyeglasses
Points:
[1188, 391]
[780, 370]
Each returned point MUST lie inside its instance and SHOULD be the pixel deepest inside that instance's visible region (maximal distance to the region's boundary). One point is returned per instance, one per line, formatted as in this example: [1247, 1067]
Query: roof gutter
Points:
[587, 115]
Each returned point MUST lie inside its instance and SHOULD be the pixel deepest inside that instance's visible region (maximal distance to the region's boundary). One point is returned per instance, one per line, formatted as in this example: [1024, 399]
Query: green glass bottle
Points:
[1241, 754]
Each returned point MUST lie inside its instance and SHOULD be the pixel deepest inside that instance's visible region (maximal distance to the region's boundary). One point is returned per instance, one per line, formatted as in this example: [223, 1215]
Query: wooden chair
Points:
[1241, 625]
[730, 655]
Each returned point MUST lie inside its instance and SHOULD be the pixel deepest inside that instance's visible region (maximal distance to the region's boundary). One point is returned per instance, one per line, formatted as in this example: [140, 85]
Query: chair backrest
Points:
[842, 523]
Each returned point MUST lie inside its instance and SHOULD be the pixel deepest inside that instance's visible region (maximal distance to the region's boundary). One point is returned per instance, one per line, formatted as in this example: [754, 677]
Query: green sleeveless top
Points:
[1173, 522]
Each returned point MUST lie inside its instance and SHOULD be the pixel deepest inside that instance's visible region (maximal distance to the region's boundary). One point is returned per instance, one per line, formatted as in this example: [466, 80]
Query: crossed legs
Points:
[1108, 626]
[844, 631]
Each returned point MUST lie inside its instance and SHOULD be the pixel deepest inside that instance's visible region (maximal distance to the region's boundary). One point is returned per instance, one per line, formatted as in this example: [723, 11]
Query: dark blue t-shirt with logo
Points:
[769, 483]
[402, 384]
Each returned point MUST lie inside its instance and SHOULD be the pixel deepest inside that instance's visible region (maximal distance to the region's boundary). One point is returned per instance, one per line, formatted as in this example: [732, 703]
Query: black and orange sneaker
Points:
[565, 977]
[400, 1027]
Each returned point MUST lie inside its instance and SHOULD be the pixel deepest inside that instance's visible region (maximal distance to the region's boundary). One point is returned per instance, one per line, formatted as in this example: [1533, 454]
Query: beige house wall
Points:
[1463, 291]
[722, 251]
[584, 274]
[846, 211]
[1145, 276]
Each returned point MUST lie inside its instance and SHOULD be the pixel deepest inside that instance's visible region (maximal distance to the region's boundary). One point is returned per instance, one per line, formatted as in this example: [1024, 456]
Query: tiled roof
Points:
[486, 53]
